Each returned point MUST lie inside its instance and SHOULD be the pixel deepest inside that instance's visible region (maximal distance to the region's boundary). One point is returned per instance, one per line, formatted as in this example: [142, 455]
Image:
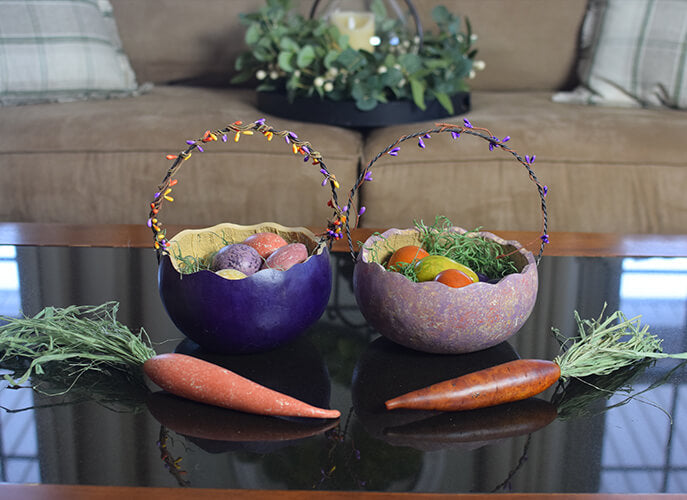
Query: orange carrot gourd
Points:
[603, 346]
[78, 339]
[504, 383]
[205, 382]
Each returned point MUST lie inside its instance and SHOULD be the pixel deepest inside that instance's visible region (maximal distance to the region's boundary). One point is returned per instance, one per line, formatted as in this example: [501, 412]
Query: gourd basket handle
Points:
[233, 133]
[456, 131]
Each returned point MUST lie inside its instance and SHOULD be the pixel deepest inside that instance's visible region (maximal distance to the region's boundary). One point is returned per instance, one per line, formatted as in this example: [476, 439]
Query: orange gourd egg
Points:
[406, 255]
[453, 278]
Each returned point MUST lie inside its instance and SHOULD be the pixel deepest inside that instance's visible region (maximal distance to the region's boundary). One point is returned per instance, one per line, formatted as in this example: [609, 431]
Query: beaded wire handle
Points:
[235, 131]
[456, 131]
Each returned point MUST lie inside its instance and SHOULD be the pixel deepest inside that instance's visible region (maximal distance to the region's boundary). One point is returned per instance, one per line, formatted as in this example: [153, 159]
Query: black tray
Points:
[345, 113]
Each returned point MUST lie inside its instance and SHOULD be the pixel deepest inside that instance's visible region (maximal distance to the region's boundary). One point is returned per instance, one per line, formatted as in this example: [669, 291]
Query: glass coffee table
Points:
[623, 434]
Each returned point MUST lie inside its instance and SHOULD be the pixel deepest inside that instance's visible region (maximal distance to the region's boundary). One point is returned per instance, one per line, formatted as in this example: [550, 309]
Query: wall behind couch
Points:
[169, 40]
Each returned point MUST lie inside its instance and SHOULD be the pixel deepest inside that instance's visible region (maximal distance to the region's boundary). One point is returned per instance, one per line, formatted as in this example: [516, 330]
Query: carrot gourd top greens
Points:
[79, 338]
[605, 345]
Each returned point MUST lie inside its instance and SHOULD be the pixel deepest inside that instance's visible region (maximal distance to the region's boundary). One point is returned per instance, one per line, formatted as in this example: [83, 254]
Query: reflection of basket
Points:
[430, 316]
[233, 133]
[262, 310]
[456, 131]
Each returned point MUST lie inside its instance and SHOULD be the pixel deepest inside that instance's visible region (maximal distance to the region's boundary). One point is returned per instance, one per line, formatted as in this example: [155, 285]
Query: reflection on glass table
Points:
[656, 289]
[587, 440]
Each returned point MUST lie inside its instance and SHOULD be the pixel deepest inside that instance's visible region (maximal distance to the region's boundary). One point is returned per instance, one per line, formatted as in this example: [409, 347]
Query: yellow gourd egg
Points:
[427, 268]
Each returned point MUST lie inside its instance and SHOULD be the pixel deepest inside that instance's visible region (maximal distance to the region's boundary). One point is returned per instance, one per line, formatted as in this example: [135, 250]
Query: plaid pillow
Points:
[633, 53]
[61, 50]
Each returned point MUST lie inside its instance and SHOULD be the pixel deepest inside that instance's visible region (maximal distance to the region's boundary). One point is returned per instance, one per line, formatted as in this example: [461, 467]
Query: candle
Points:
[359, 26]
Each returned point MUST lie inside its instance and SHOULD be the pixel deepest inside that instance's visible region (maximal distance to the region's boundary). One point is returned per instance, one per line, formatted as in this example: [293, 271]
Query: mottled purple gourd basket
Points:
[260, 312]
[433, 317]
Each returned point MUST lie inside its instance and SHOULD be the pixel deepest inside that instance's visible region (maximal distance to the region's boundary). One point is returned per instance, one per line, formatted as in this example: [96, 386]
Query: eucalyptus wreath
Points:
[304, 57]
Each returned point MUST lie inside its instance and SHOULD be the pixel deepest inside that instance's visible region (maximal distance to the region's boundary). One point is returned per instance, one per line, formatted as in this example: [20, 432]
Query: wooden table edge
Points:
[84, 492]
[562, 243]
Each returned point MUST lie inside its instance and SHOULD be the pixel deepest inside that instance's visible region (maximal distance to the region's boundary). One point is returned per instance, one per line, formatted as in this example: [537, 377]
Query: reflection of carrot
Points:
[486, 424]
[602, 347]
[198, 380]
[219, 424]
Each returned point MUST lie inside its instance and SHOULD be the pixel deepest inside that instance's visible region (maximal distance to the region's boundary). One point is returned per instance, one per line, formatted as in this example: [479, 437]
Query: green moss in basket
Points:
[482, 255]
[189, 264]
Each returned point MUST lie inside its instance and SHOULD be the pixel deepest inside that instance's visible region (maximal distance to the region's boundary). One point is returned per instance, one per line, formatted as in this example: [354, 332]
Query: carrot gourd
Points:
[80, 339]
[205, 382]
[603, 346]
[504, 383]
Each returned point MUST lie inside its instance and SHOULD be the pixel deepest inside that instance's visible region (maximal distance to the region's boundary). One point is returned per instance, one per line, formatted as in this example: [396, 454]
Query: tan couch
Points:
[608, 169]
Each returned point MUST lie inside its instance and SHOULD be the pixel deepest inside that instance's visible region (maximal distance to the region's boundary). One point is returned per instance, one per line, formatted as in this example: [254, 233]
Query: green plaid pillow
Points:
[61, 50]
[634, 53]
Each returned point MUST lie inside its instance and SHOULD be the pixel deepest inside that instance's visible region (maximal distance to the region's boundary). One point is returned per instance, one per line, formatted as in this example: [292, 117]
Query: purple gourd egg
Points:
[266, 309]
[432, 317]
[239, 257]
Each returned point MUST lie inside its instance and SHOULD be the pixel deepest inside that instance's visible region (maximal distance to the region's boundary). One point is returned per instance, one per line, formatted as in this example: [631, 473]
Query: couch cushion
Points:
[634, 53]
[102, 161]
[616, 170]
[61, 51]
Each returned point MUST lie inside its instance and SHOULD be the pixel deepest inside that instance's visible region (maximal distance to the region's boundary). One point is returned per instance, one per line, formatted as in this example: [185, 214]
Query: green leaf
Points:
[289, 45]
[319, 90]
[410, 62]
[440, 14]
[358, 92]
[418, 90]
[266, 87]
[378, 9]
[242, 61]
[253, 34]
[349, 59]
[241, 77]
[285, 61]
[391, 78]
[293, 83]
[437, 63]
[263, 55]
[305, 56]
[330, 58]
[445, 101]
[366, 104]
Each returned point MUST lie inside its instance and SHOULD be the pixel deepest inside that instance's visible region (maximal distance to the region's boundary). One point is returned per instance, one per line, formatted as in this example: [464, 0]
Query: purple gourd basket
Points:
[430, 316]
[259, 312]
